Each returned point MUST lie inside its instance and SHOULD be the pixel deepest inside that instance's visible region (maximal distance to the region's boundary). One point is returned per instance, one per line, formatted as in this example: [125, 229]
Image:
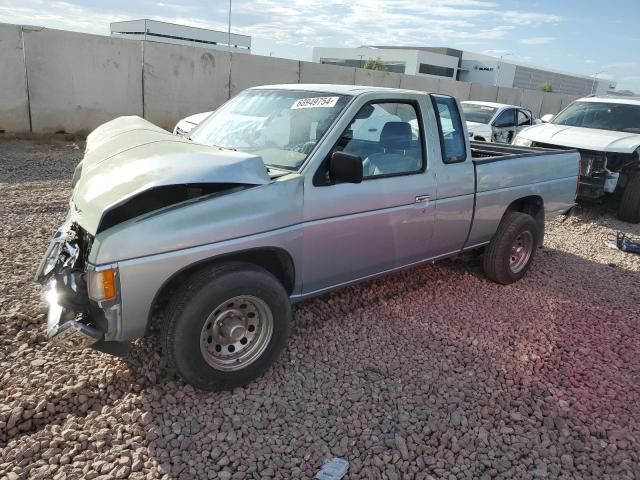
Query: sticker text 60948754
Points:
[315, 102]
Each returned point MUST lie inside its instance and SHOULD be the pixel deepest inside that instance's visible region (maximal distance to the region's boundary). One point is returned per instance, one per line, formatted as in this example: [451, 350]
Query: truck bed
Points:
[483, 152]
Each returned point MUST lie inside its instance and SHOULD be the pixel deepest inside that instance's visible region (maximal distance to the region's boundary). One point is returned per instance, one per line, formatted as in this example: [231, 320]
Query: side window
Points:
[452, 140]
[505, 119]
[523, 118]
[387, 136]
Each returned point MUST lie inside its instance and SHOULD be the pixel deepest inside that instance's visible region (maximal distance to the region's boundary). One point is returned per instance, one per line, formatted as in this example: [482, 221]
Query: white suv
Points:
[606, 131]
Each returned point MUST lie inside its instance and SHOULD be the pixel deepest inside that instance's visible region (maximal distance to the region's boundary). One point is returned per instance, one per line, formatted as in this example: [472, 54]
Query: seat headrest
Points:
[396, 136]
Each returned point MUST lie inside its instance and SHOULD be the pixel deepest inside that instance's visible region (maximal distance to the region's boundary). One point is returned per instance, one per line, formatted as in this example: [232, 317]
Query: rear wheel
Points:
[629, 210]
[226, 326]
[509, 255]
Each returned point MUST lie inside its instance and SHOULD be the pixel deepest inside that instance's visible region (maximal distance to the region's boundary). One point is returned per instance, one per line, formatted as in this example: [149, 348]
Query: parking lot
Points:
[433, 372]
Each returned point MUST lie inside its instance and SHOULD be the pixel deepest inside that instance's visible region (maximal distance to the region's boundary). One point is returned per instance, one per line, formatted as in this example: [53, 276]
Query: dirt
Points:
[432, 373]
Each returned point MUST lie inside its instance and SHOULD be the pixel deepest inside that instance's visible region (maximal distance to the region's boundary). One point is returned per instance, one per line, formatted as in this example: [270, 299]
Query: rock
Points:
[456, 418]
[567, 460]
[146, 418]
[401, 444]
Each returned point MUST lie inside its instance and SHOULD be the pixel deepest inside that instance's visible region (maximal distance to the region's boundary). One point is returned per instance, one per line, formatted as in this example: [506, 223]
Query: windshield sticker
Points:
[486, 108]
[315, 102]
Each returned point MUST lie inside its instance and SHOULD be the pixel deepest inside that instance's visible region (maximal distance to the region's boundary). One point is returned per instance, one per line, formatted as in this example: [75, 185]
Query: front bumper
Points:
[66, 328]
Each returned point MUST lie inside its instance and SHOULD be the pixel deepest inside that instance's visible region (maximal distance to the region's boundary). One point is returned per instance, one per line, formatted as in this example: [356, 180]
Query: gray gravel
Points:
[431, 373]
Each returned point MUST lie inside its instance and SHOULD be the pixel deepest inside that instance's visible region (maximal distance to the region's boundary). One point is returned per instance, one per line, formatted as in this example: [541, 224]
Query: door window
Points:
[505, 119]
[388, 137]
[452, 139]
[523, 118]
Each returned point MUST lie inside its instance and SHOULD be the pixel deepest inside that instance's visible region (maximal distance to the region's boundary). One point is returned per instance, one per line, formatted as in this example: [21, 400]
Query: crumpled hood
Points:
[585, 138]
[129, 155]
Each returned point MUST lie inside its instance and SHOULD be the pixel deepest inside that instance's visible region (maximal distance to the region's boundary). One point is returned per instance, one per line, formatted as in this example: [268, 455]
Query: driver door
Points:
[352, 231]
[504, 126]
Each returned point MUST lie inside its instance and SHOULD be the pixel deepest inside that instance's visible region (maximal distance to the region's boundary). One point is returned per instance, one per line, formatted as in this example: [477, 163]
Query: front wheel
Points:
[509, 255]
[226, 326]
[629, 210]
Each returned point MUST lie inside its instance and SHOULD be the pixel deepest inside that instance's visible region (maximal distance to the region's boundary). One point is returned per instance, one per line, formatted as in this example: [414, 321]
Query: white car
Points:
[184, 126]
[495, 122]
[606, 131]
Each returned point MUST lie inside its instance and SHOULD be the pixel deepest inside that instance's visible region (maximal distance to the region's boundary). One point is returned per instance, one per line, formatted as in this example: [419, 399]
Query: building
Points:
[164, 32]
[488, 70]
[413, 61]
[464, 66]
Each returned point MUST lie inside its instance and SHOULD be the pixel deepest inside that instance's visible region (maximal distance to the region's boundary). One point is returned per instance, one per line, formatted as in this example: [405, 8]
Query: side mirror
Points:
[345, 168]
[546, 118]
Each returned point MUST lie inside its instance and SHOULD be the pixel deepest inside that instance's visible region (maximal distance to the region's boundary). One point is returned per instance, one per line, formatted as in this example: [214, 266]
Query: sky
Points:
[580, 36]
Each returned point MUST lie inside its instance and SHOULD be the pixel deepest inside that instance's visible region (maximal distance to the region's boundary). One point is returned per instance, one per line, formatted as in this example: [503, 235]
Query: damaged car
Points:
[495, 122]
[606, 131]
[284, 193]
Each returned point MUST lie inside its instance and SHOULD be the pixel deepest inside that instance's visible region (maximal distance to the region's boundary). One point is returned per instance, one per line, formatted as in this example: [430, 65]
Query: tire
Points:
[226, 326]
[629, 210]
[516, 230]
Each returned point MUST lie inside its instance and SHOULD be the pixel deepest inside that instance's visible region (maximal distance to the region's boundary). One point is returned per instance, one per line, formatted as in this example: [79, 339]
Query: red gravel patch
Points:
[430, 373]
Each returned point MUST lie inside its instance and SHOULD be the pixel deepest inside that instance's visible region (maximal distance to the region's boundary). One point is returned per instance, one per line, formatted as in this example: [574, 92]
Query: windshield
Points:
[282, 126]
[478, 113]
[620, 117]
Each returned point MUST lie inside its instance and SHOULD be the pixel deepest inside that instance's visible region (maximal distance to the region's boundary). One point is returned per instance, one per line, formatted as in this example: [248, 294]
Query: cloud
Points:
[528, 18]
[537, 40]
[301, 23]
[619, 65]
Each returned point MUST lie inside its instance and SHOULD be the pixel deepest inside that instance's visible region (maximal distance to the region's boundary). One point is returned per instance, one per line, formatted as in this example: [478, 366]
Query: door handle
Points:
[423, 198]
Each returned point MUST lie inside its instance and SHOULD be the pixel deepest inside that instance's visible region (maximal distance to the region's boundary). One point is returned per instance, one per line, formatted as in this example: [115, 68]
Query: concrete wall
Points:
[14, 105]
[79, 81]
[422, 84]
[460, 90]
[532, 99]
[377, 78]
[484, 93]
[316, 73]
[252, 70]
[511, 96]
[551, 103]
[180, 81]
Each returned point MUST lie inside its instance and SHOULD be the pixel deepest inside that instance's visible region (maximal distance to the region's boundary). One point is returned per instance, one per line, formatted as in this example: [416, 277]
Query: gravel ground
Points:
[430, 373]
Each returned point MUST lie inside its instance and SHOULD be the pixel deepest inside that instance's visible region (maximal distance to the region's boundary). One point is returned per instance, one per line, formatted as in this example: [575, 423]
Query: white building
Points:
[464, 66]
[408, 60]
[488, 70]
[156, 31]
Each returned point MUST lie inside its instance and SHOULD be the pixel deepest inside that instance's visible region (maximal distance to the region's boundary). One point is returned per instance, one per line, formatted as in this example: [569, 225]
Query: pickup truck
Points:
[278, 196]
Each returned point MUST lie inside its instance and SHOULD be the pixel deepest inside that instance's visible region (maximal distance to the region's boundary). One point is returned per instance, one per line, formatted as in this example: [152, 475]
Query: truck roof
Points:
[610, 99]
[335, 89]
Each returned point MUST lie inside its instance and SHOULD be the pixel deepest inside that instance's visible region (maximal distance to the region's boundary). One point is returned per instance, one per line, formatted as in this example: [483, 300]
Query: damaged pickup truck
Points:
[284, 193]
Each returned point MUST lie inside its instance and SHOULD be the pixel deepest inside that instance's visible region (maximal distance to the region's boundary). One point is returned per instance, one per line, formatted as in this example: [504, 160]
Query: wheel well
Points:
[276, 261]
[534, 206]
